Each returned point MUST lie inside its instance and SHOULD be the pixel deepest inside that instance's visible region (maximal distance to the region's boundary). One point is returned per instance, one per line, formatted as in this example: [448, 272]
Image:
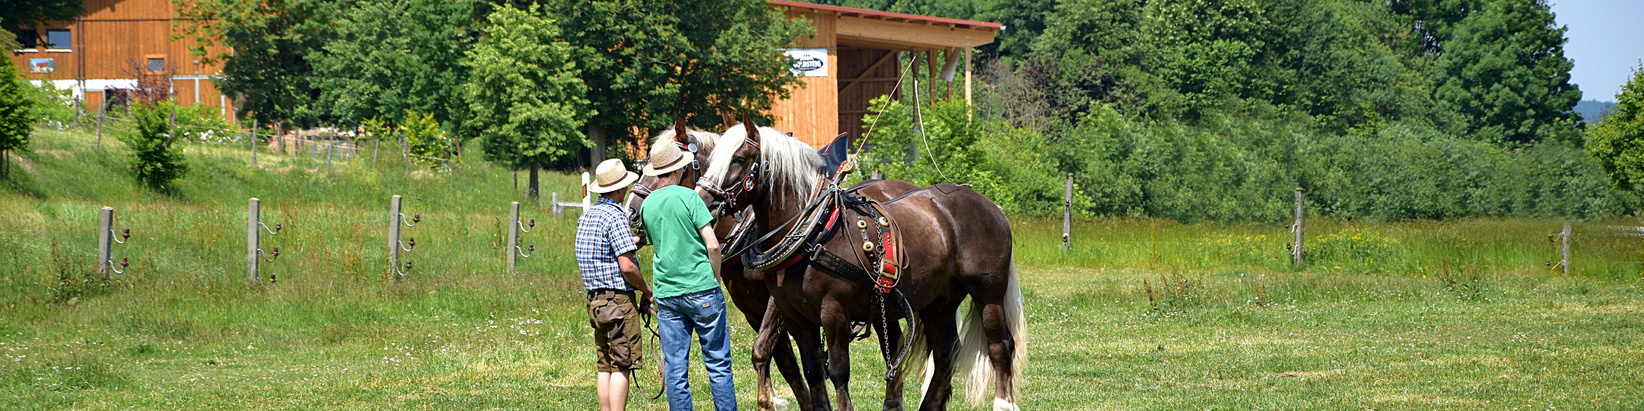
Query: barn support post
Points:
[1067, 214]
[1564, 247]
[969, 108]
[1296, 244]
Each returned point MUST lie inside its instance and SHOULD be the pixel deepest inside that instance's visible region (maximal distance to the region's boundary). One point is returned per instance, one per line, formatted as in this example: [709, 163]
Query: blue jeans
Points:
[704, 313]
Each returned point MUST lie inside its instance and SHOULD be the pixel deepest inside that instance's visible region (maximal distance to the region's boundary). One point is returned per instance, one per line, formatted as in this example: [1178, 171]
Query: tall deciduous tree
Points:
[647, 62]
[1504, 69]
[265, 49]
[18, 14]
[16, 116]
[524, 92]
[1618, 141]
[389, 56]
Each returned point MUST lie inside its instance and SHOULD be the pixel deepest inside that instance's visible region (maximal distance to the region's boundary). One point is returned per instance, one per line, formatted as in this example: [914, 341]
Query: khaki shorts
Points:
[616, 331]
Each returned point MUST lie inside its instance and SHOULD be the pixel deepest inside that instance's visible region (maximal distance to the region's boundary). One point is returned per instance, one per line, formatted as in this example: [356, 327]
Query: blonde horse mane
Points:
[790, 166]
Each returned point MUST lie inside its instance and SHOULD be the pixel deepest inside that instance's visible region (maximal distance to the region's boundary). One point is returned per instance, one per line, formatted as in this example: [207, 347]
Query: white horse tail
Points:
[971, 361]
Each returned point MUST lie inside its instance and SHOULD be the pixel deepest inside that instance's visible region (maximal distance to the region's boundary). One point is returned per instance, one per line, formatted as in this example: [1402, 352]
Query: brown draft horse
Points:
[957, 242]
[745, 287]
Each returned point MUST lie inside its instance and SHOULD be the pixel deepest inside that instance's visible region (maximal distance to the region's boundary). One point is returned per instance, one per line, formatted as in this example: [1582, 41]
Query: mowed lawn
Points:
[1141, 314]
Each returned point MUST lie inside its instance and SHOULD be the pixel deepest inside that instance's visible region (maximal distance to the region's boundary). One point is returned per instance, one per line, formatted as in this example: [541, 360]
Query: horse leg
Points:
[942, 335]
[1000, 315]
[838, 329]
[769, 326]
[890, 334]
[810, 357]
[788, 365]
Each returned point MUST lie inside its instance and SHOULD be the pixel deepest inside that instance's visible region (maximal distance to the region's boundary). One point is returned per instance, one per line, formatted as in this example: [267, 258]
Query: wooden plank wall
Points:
[810, 114]
[853, 100]
[115, 34]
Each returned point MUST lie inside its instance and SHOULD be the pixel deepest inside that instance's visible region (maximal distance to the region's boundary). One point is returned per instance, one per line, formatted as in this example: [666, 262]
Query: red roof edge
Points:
[886, 14]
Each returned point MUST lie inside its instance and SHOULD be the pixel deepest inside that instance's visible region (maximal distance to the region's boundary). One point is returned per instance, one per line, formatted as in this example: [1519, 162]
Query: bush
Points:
[203, 124]
[52, 106]
[1238, 167]
[159, 159]
[425, 138]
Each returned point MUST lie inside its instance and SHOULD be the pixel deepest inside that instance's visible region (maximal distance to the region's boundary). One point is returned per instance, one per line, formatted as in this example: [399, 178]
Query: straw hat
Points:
[611, 176]
[665, 158]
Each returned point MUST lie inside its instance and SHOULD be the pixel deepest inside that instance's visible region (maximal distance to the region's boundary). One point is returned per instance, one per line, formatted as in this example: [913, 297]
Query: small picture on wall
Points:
[42, 65]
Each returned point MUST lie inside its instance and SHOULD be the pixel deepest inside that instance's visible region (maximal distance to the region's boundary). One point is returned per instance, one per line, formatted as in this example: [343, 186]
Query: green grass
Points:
[1142, 313]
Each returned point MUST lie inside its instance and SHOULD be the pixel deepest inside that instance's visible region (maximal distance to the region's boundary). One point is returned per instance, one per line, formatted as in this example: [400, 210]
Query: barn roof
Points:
[883, 29]
[889, 16]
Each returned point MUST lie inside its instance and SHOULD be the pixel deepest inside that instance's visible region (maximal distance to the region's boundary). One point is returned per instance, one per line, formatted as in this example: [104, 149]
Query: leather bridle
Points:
[728, 195]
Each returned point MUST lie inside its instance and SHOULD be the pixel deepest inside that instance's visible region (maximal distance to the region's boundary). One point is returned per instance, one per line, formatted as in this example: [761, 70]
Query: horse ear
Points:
[753, 131]
[680, 134]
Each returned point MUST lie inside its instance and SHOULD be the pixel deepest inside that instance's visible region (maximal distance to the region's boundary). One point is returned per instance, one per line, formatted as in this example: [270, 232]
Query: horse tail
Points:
[971, 360]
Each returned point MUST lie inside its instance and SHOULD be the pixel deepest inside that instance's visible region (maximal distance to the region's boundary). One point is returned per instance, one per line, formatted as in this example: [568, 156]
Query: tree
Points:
[389, 56]
[647, 62]
[26, 14]
[1617, 142]
[265, 47]
[158, 157]
[1504, 69]
[16, 116]
[524, 92]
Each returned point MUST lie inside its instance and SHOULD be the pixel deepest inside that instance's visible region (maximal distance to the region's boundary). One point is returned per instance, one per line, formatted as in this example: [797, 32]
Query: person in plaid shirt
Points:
[605, 254]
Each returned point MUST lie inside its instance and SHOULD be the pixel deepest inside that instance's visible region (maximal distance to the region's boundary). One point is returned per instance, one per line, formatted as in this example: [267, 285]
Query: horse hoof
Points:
[999, 404]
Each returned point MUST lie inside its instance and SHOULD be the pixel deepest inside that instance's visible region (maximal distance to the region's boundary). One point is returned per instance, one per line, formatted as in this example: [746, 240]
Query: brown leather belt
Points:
[607, 292]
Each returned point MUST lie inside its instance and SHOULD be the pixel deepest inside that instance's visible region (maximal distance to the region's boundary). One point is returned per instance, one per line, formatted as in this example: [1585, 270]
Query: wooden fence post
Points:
[394, 233]
[513, 235]
[253, 142]
[105, 237]
[406, 145]
[1067, 214]
[331, 145]
[1296, 245]
[252, 238]
[1564, 247]
[98, 145]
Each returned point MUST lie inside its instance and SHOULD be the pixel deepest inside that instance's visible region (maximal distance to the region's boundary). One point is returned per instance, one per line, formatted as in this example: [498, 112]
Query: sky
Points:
[1606, 43]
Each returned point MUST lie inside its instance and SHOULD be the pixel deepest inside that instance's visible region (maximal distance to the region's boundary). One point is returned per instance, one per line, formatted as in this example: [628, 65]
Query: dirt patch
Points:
[1301, 374]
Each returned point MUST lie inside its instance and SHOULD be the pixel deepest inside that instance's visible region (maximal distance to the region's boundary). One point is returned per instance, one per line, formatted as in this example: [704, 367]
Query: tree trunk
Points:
[531, 190]
[596, 154]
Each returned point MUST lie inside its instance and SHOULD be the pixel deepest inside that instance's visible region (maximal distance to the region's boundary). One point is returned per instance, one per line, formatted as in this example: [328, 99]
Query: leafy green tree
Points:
[16, 116]
[158, 157]
[524, 91]
[28, 13]
[1618, 141]
[265, 46]
[647, 62]
[1504, 69]
[8, 39]
[389, 56]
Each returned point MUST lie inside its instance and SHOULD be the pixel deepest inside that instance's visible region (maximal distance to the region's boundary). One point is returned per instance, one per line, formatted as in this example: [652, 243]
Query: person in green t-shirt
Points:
[685, 274]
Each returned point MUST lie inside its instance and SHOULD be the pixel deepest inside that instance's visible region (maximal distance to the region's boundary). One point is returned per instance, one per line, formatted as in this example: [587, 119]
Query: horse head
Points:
[699, 144]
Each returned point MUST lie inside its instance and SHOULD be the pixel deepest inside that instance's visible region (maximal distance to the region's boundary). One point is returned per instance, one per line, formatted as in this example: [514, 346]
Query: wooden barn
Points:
[857, 54]
[104, 50]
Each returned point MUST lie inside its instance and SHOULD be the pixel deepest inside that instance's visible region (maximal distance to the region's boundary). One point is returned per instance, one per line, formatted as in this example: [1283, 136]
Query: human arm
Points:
[630, 272]
[712, 241]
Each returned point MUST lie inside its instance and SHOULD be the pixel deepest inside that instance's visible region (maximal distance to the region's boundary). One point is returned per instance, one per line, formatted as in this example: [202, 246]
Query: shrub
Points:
[424, 137]
[159, 159]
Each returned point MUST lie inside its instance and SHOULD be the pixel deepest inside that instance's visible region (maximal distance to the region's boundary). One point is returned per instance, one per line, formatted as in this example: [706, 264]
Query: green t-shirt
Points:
[672, 217]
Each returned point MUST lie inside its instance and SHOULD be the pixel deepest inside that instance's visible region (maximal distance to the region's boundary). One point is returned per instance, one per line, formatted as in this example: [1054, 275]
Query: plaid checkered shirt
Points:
[602, 235]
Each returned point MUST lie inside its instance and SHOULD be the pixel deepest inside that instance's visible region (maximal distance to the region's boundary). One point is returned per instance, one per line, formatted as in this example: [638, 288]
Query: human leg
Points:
[714, 335]
[674, 325]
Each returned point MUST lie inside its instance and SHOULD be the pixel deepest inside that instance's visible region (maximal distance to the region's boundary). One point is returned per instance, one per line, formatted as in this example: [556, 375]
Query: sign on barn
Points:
[857, 55]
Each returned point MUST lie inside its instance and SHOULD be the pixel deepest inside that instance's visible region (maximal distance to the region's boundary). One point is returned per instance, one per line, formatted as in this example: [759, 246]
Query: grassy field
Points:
[1140, 314]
